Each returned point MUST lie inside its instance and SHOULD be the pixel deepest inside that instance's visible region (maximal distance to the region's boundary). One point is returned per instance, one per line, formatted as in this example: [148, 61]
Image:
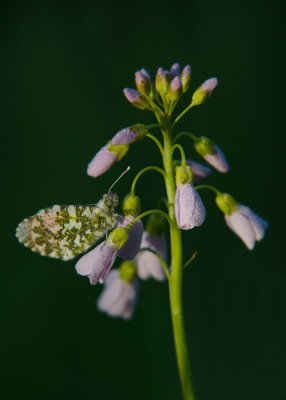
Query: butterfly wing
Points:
[65, 231]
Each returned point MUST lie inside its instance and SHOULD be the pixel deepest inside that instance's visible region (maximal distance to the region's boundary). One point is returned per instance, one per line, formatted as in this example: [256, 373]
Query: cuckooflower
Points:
[132, 246]
[120, 292]
[97, 262]
[105, 158]
[244, 222]
[136, 98]
[201, 95]
[129, 135]
[189, 208]
[211, 153]
[148, 264]
[199, 170]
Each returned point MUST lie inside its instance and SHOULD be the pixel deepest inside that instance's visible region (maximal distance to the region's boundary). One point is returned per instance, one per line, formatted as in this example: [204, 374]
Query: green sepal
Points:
[204, 146]
[142, 131]
[184, 175]
[131, 205]
[127, 271]
[226, 203]
[200, 97]
[120, 150]
[117, 238]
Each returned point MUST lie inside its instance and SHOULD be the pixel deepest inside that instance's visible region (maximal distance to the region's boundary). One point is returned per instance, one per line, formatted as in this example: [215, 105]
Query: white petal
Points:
[258, 224]
[241, 226]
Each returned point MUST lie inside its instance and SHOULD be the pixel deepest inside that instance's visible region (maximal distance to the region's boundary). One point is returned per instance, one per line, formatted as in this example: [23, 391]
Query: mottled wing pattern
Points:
[65, 231]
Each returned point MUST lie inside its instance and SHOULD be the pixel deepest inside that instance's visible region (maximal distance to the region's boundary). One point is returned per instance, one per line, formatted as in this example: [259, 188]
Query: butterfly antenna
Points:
[123, 173]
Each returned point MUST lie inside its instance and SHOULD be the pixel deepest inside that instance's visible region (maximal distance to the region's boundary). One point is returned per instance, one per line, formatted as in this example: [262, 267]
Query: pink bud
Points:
[101, 162]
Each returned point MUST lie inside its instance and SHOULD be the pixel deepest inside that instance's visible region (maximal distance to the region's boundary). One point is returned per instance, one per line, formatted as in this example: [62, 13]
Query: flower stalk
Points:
[176, 274]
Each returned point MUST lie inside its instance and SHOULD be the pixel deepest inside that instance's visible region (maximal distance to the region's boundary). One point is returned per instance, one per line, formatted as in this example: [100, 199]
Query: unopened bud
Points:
[204, 91]
[135, 98]
[175, 70]
[143, 82]
[186, 78]
[175, 89]
[131, 205]
[127, 271]
[226, 203]
[162, 81]
[129, 135]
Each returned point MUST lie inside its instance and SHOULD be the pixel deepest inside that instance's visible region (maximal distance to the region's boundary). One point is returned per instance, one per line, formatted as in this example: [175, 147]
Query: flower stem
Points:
[176, 275]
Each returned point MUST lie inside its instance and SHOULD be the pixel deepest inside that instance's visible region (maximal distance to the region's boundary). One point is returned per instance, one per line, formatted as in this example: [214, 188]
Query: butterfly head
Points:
[111, 200]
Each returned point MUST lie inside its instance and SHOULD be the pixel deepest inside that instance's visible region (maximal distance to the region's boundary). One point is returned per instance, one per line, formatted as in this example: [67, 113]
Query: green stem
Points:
[150, 136]
[146, 213]
[209, 187]
[151, 168]
[190, 135]
[183, 157]
[176, 275]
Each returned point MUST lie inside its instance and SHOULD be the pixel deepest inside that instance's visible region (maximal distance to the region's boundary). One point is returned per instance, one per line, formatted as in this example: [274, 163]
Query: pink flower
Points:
[189, 208]
[199, 170]
[97, 262]
[211, 153]
[132, 246]
[217, 160]
[247, 225]
[148, 264]
[119, 297]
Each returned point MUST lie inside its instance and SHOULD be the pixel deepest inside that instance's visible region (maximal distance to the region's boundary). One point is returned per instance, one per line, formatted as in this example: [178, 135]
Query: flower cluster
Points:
[145, 252]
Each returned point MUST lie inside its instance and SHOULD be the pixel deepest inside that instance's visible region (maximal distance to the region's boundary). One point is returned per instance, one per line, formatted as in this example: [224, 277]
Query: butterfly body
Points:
[68, 230]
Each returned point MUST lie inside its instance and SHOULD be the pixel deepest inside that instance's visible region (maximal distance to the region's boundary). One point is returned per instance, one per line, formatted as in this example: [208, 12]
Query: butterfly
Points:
[66, 231]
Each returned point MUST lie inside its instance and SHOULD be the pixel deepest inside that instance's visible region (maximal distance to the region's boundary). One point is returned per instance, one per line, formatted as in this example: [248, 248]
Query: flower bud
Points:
[175, 70]
[186, 78]
[105, 158]
[162, 81]
[131, 205]
[226, 203]
[127, 271]
[129, 135]
[211, 153]
[175, 89]
[143, 82]
[135, 98]
[201, 95]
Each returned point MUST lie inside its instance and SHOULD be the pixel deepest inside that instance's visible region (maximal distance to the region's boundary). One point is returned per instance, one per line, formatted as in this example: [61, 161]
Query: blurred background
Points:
[63, 67]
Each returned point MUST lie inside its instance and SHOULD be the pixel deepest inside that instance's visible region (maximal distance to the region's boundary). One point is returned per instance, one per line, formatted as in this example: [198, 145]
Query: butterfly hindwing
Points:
[66, 231]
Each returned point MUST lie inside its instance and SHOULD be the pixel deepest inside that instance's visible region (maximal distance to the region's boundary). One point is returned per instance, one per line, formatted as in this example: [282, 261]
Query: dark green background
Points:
[64, 65]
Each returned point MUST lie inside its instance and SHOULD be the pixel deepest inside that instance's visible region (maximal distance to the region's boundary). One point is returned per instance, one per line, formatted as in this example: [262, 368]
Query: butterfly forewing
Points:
[66, 231]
